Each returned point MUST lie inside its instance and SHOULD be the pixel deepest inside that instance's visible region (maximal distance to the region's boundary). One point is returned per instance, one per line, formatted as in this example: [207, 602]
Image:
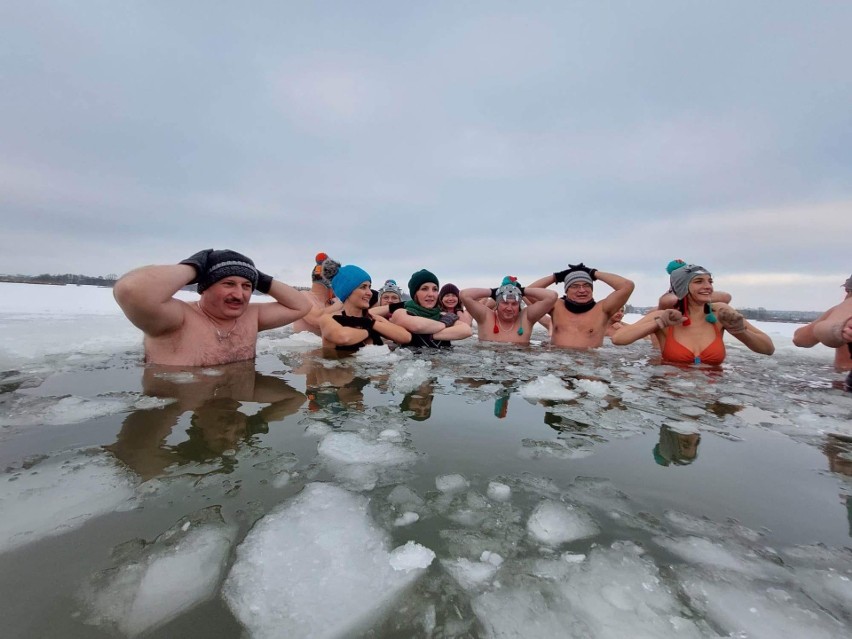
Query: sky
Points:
[475, 139]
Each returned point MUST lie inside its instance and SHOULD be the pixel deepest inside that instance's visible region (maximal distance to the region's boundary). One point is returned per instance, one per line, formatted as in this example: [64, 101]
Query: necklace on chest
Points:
[220, 335]
[498, 326]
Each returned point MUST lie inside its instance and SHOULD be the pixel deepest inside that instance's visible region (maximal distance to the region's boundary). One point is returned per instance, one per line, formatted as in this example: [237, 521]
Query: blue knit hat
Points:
[348, 278]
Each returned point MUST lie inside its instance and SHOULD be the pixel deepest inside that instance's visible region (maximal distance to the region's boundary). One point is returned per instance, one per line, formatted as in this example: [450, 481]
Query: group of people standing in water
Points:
[221, 327]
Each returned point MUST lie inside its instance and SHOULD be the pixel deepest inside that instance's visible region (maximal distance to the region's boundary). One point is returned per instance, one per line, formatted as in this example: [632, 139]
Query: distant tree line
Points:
[63, 280]
[81, 280]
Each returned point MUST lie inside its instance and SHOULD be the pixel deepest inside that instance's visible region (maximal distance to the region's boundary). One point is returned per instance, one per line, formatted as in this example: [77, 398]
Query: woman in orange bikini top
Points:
[692, 333]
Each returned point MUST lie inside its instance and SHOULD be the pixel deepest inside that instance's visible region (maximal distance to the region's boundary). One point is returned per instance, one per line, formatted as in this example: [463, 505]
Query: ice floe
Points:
[318, 567]
[60, 494]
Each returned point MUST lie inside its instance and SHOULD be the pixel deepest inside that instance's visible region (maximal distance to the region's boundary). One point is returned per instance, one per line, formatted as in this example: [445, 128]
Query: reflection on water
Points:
[676, 447]
[526, 471]
[214, 399]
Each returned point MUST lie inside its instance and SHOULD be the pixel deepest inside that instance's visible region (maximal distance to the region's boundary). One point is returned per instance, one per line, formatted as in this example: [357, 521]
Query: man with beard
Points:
[510, 321]
[222, 326]
[578, 320]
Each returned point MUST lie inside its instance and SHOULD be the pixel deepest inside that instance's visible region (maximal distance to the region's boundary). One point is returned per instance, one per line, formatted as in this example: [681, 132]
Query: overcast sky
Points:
[476, 139]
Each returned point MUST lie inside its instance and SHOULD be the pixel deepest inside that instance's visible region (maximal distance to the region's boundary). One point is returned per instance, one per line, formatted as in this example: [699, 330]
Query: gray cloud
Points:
[476, 139]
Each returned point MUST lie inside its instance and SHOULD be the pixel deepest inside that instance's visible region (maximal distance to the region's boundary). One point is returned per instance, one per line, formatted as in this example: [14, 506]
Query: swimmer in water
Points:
[389, 293]
[422, 317]
[692, 333]
[578, 320]
[449, 302]
[320, 296]
[351, 327]
[833, 329]
[222, 326]
[510, 321]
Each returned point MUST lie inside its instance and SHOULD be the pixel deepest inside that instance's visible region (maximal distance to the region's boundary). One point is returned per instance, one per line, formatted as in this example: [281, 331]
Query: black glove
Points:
[264, 282]
[448, 319]
[365, 323]
[559, 276]
[199, 261]
[583, 267]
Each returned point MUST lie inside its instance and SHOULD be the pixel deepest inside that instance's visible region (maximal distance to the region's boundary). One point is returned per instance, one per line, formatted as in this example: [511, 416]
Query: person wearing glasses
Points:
[577, 319]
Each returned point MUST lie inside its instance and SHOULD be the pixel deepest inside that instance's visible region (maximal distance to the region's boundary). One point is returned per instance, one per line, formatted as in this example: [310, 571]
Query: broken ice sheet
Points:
[334, 574]
[156, 582]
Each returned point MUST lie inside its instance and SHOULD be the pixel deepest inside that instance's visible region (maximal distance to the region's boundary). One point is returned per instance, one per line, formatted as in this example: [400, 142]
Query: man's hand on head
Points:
[199, 261]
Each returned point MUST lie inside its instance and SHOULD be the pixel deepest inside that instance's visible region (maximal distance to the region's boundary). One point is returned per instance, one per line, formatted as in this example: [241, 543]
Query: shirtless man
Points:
[509, 322]
[833, 328]
[578, 320]
[219, 328]
[320, 296]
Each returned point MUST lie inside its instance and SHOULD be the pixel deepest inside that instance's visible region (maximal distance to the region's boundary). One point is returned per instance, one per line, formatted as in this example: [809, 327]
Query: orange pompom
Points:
[320, 258]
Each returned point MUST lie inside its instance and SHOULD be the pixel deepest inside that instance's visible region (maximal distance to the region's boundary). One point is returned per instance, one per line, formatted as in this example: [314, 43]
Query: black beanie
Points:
[222, 264]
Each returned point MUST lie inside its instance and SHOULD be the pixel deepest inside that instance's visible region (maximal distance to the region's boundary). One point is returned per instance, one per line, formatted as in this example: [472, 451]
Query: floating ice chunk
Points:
[352, 448]
[391, 435]
[317, 429]
[614, 593]
[408, 375]
[411, 556]
[329, 578]
[58, 495]
[403, 495]
[179, 570]
[470, 575]
[406, 519]
[592, 387]
[547, 387]
[744, 607]
[553, 523]
[498, 491]
[720, 556]
[572, 558]
[451, 483]
[304, 338]
[559, 449]
[373, 354]
[691, 411]
[491, 557]
[50, 411]
[178, 377]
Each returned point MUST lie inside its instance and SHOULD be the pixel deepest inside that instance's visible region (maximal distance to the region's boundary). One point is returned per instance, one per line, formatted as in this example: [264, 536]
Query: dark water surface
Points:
[760, 444]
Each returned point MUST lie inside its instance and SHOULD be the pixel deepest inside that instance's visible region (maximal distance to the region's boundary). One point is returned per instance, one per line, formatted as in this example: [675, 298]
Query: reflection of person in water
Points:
[212, 397]
[332, 388]
[419, 402]
[680, 448]
[838, 450]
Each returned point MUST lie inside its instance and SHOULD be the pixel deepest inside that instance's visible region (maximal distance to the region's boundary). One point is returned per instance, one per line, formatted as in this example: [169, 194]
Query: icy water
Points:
[483, 492]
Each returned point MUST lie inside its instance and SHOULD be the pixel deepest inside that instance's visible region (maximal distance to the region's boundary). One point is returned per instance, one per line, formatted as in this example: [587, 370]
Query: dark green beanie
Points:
[419, 279]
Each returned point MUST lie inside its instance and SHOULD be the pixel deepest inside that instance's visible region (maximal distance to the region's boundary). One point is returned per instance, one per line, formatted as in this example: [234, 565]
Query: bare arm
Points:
[459, 330]
[388, 329]
[836, 329]
[470, 298]
[733, 321]
[652, 323]
[146, 297]
[543, 282]
[340, 335]
[542, 302]
[289, 305]
[804, 337]
[414, 324]
[618, 298]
